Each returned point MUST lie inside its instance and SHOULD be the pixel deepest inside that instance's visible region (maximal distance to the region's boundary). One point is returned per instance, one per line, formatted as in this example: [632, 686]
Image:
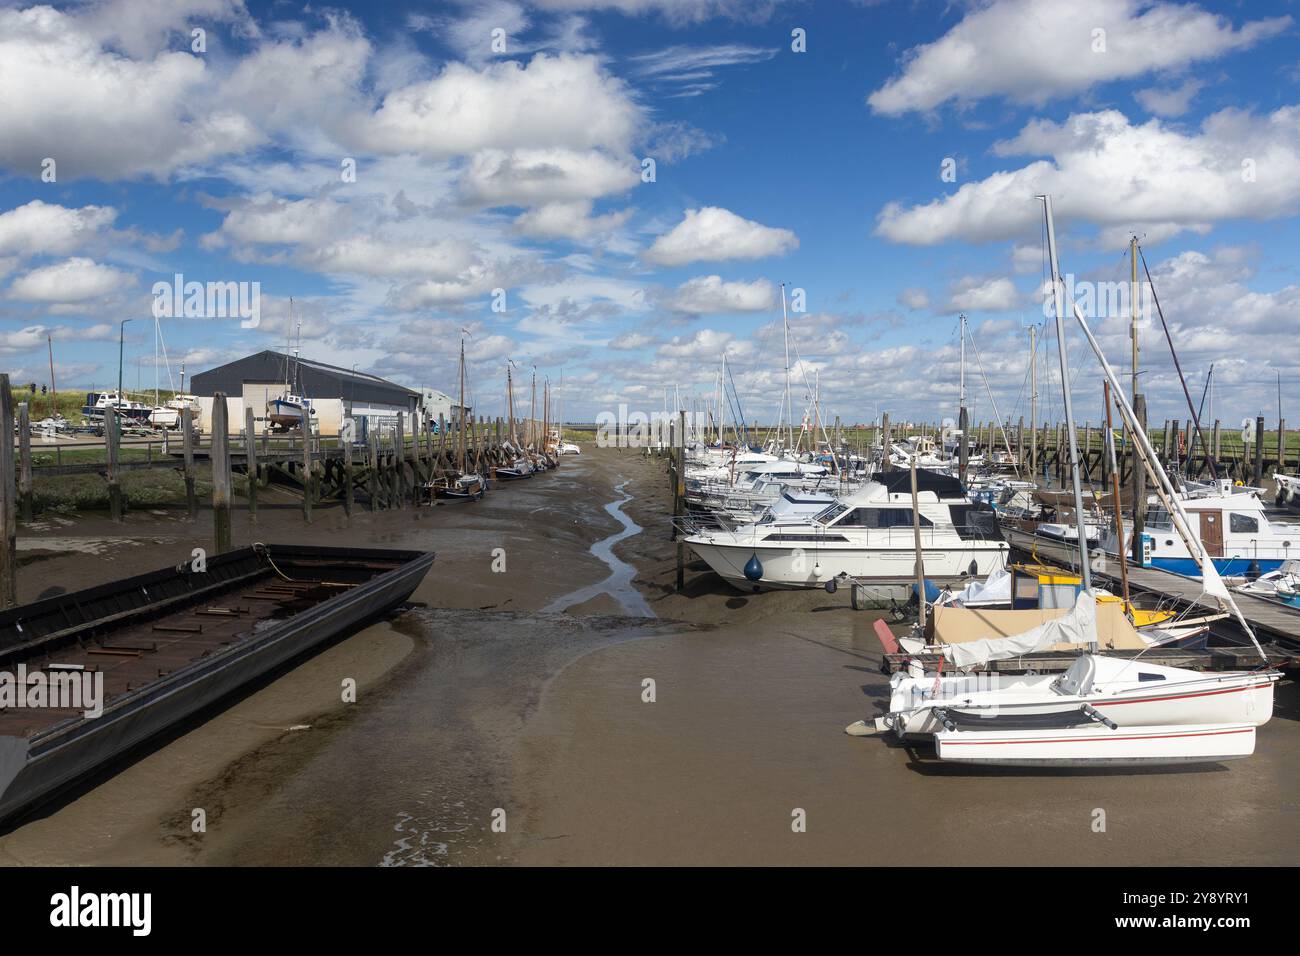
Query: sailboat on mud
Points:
[464, 485]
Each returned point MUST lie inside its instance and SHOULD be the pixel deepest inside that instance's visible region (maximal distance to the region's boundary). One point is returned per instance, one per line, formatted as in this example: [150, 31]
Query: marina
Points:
[644, 435]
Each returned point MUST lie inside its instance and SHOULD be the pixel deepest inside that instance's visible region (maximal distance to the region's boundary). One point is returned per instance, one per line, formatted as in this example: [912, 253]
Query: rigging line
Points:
[993, 401]
[1196, 418]
[804, 371]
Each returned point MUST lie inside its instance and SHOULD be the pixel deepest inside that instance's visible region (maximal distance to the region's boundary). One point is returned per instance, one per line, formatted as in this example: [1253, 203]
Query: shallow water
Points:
[618, 584]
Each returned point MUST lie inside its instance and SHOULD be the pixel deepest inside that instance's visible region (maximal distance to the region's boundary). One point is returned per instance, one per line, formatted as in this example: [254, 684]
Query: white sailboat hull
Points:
[1098, 745]
[1168, 697]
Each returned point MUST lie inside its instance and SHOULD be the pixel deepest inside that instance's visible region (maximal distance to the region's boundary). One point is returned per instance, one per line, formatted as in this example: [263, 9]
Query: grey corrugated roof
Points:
[314, 379]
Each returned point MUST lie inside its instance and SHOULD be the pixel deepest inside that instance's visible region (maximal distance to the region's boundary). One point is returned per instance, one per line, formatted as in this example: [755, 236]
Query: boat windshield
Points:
[831, 513]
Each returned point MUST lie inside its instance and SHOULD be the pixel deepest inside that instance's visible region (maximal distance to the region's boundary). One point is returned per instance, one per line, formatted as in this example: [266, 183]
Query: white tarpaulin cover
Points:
[1079, 626]
[996, 589]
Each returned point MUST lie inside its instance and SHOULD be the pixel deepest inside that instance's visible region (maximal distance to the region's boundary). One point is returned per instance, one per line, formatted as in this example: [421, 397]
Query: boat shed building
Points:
[335, 394]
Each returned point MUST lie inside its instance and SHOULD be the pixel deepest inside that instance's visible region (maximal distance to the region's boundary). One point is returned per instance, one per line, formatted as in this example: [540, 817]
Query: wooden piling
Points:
[400, 477]
[112, 436]
[885, 439]
[250, 457]
[8, 511]
[220, 458]
[187, 453]
[1281, 444]
[24, 462]
[1257, 473]
[679, 493]
[348, 494]
[372, 477]
[305, 427]
[1139, 484]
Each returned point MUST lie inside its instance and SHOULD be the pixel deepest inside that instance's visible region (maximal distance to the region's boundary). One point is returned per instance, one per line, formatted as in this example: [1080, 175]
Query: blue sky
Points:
[521, 170]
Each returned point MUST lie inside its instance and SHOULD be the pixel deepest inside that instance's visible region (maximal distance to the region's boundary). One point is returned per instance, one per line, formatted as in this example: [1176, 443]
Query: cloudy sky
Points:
[613, 191]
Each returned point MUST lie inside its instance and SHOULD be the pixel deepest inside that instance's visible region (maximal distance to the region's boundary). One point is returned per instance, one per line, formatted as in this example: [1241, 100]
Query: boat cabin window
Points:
[831, 513]
[1158, 517]
[1243, 524]
[881, 518]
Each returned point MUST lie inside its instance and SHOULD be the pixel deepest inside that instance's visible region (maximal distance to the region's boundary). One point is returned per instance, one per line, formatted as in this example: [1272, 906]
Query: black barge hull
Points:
[357, 585]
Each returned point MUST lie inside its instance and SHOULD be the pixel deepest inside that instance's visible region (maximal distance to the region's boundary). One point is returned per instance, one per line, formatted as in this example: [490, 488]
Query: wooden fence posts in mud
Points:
[8, 519]
[220, 472]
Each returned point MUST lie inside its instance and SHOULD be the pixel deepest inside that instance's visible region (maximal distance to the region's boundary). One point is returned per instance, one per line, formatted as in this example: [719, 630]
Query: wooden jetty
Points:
[391, 470]
[1273, 622]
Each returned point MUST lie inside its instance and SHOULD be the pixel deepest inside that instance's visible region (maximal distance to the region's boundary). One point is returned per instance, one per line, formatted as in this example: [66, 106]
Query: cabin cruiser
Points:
[168, 414]
[97, 402]
[867, 535]
[761, 486]
[1229, 521]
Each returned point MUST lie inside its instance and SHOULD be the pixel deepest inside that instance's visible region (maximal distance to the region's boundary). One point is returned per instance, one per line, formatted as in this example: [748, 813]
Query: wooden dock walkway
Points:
[1272, 620]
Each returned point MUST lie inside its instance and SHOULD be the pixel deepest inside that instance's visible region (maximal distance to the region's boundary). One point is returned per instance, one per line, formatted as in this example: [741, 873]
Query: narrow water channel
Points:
[618, 584]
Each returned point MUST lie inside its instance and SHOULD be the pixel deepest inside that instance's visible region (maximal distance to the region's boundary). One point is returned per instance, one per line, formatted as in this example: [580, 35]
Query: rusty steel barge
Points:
[171, 642]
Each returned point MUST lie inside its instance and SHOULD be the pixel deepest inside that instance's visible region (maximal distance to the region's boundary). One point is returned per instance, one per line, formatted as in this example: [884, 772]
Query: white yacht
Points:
[168, 414]
[1231, 524]
[867, 535]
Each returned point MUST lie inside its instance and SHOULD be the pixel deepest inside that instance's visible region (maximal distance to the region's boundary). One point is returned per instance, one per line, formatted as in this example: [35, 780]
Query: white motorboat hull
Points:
[791, 567]
[1097, 745]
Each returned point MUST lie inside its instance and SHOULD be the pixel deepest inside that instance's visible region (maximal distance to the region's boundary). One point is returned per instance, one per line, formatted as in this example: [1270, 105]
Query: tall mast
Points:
[1114, 485]
[1084, 571]
[155, 361]
[54, 404]
[510, 404]
[1133, 310]
[532, 413]
[961, 402]
[288, 346]
[789, 403]
[1033, 398]
[460, 443]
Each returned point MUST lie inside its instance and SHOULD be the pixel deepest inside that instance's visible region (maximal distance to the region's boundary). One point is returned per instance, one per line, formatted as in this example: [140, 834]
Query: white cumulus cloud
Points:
[713, 233]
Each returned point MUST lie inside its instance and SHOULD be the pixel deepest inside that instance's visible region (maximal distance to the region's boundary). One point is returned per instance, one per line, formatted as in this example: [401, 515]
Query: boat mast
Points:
[1133, 311]
[460, 441]
[1165, 491]
[54, 404]
[788, 403]
[1114, 485]
[510, 402]
[1033, 399]
[1057, 300]
[961, 399]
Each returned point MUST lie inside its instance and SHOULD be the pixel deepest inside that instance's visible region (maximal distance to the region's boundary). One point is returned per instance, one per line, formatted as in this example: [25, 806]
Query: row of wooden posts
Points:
[393, 470]
[1178, 444]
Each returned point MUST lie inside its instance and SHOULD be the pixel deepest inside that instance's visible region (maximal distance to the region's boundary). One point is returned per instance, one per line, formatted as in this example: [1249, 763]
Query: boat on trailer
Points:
[167, 643]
